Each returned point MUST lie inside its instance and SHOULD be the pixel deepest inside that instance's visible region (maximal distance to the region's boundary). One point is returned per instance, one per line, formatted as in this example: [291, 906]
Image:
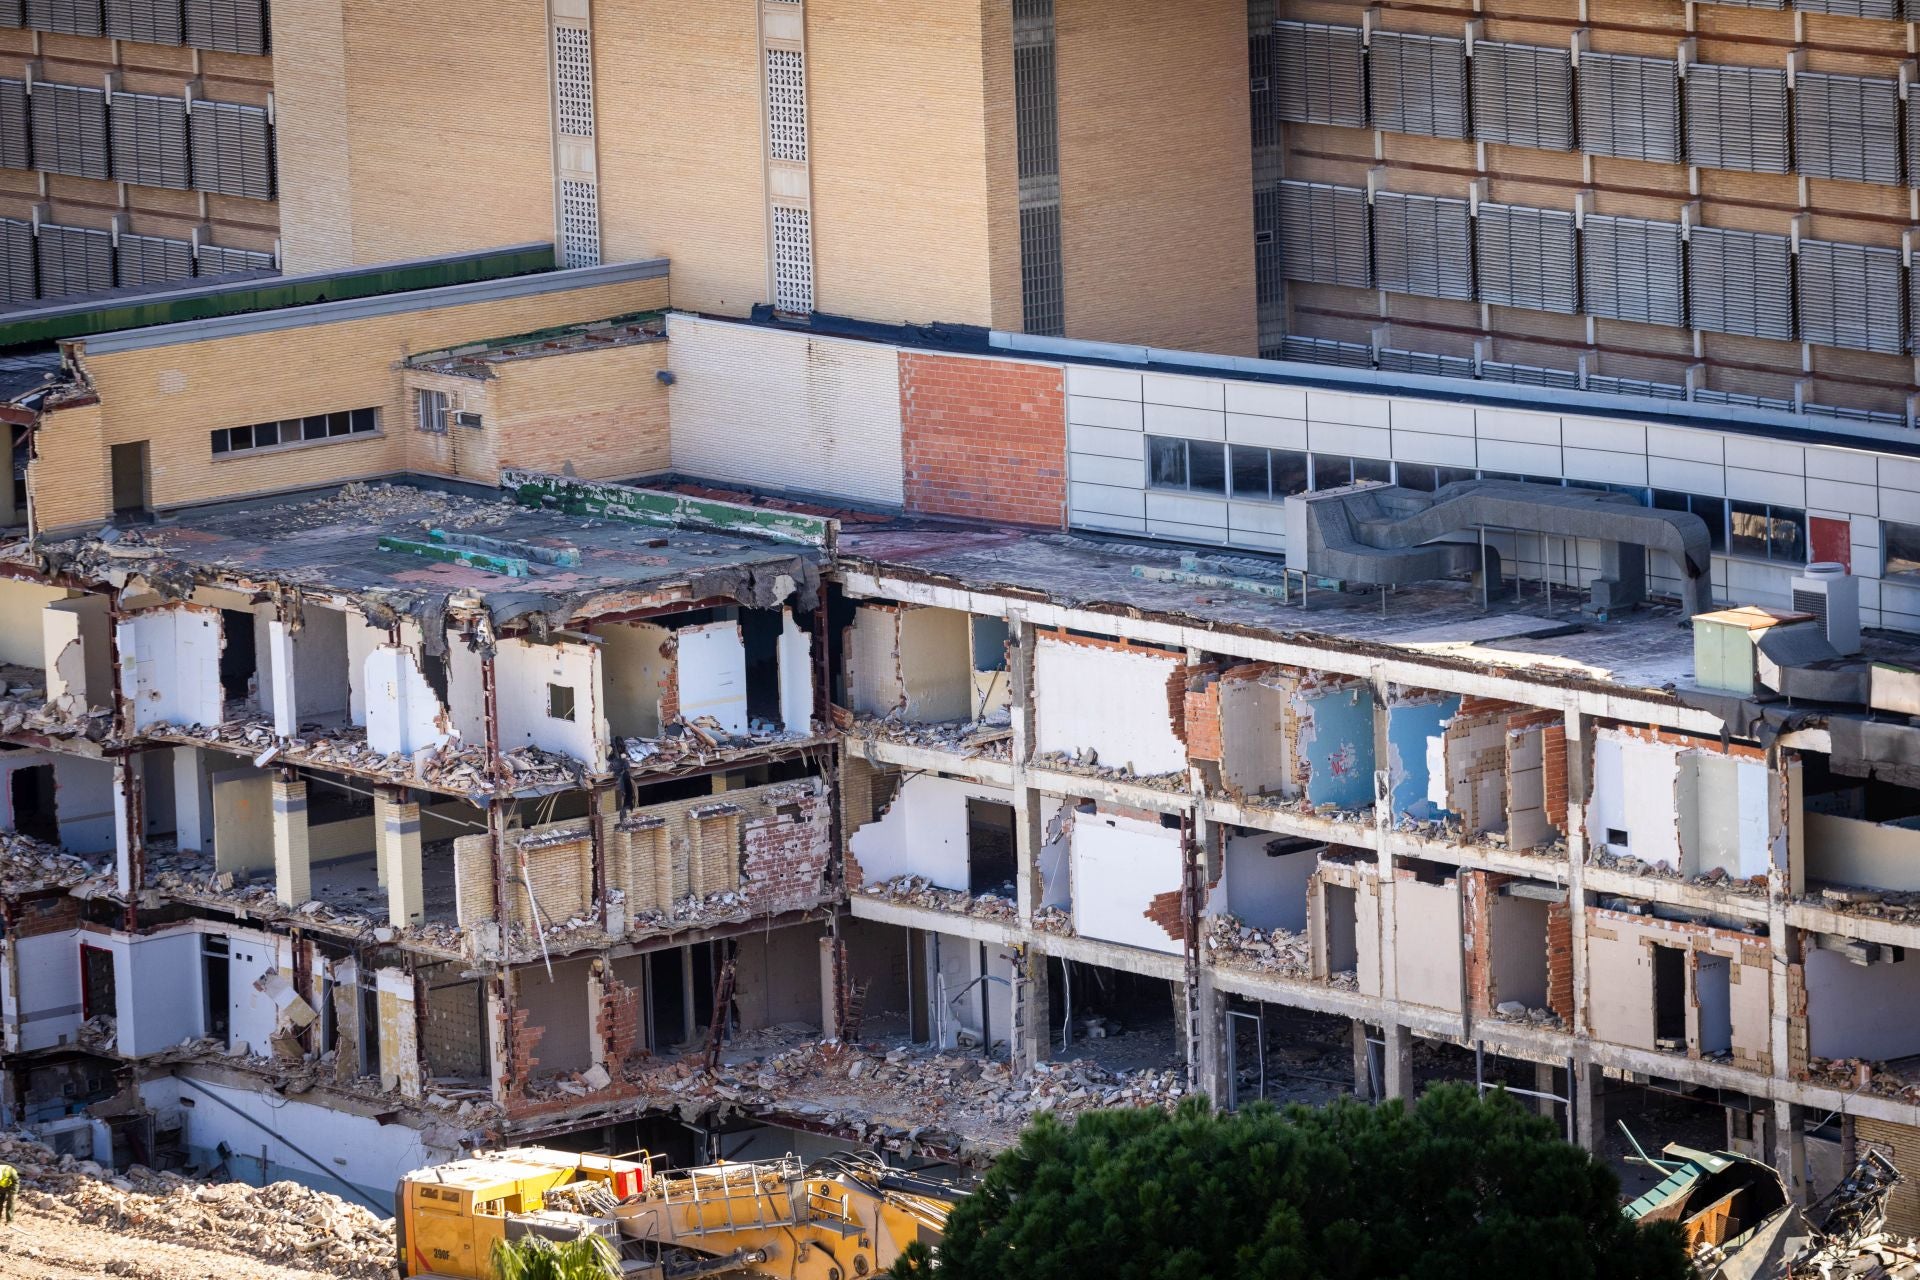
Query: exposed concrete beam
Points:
[292, 866]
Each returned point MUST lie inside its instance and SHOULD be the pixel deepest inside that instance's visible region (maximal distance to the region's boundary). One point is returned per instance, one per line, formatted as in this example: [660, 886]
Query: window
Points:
[1902, 544]
[560, 702]
[1270, 474]
[293, 431]
[1711, 510]
[430, 411]
[1331, 471]
[1198, 466]
[1420, 475]
[1766, 532]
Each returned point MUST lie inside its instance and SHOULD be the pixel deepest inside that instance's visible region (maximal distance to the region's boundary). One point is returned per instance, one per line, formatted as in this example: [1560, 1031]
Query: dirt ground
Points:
[47, 1242]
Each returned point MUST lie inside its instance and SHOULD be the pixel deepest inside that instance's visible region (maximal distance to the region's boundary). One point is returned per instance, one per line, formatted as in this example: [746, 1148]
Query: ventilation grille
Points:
[1525, 258]
[573, 80]
[1421, 245]
[1744, 399]
[1324, 234]
[787, 105]
[1737, 118]
[150, 140]
[792, 260]
[1851, 9]
[1348, 355]
[69, 17]
[1629, 107]
[1036, 118]
[1630, 269]
[232, 149]
[1740, 282]
[1847, 413]
[12, 14]
[1396, 360]
[148, 21]
[1042, 287]
[16, 150]
[17, 281]
[153, 260]
[1320, 73]
[70, 130]
[1813, 602]
[74, 260]
[1523, 95]
[1418, 84]
[231, 26]
[1846, 127]
[579, 223]
[1529, 375]
[1270, 222]
[216, 261]
[1850, 296]
[1610, 385]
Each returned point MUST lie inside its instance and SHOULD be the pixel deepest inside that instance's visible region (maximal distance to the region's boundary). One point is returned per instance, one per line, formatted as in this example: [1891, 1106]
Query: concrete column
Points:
[1385, 842]
[129, 826]
[829, 986]
[1210, 1055]
[399, 1031]
[286, 719]
[500, 1034]
[1790, 1148]
[1399, 1062]
[1543, 1082]
[396, 833]
[292, 867]
[1579, 731]
[596, 1024]
[689, 1022]
[1029, 814]
[192, 799]
[1035, 1016]
[1589, 1094]
[1362, 1062]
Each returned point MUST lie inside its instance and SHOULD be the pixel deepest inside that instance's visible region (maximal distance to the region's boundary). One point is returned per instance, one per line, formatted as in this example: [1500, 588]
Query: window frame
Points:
[1235, 451]
[1186, 485]
[293, 433]
[1886, 552]
[1767, 510]
[432, 410]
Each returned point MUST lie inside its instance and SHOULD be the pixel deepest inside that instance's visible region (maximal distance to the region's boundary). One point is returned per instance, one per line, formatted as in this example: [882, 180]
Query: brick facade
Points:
[984, 439]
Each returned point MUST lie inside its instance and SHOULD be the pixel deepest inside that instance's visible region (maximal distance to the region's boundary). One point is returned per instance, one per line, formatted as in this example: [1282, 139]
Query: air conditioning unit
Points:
[1832, 595]
[466, 418]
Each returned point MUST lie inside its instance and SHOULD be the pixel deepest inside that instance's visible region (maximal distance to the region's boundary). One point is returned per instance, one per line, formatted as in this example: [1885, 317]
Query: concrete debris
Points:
[919, 891]
[280, 1223]
[1876, 904]
[702, 742]
[24, 709]
[28, 865]
[1086, 764]
[990, 738]
[1300, 805]
[1515, 1011]
[1051, 919]
[1232, 942]
[1861, 1074]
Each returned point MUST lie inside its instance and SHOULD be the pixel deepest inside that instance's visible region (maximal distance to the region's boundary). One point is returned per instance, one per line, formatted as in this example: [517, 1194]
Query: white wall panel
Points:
[1107, 442]
[1268, 433]
[1121, 415]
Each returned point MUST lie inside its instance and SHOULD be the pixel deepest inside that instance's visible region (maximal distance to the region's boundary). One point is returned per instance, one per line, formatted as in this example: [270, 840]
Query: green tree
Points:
[536, 1258]
[1457, 1187]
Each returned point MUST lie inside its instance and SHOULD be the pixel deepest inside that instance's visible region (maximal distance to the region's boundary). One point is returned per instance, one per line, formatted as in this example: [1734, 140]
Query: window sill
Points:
[235, 455]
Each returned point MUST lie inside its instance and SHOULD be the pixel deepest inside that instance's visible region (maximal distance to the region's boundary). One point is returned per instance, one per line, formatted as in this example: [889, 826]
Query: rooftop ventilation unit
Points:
[1831, 595]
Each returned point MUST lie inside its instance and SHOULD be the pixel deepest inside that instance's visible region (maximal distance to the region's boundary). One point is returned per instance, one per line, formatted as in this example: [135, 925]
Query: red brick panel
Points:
[984, 439]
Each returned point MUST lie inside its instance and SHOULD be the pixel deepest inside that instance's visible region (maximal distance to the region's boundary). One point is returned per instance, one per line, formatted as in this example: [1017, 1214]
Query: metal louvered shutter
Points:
[1629, 107]
[232, 149]
[1751, 4]
[1846, 127]
[1525, 258]
[231, 26]
[69, 17]
[74, 260]
[1349, 355]
[149, 21]
[1529, 375]
[70, 130]
[17, 272]
[12, 14]
[1739, 282]
[15, 131]
[1323, 234]
[1400, 360]
[1851, 296]
[1418, 84]
[1523, 94]
[1421, 244]
[1630, 269]
[154, 260]
[1851, 8]
[216, 261]
[150, 140]
[1737, 118]
[1320, 73]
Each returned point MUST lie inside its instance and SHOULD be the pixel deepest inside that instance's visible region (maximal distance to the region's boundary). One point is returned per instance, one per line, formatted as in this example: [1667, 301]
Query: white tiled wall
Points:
[1110, 411]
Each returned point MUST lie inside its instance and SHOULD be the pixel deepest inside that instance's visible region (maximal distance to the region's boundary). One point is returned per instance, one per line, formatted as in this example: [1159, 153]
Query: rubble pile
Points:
[1853, 1074]
[1879, 904]
[1233, 942]
[1052, 919]
[27, 865]
[702, 741]
[919, 891]
[1515, 1011]
[24, 708]
[283, 1223]
[989, 738]
[1087, 764]
[1300, 805]
[376, 503]
[1627, 864]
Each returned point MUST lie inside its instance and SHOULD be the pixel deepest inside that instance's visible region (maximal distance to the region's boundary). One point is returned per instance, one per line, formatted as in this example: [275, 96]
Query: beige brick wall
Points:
[677, 100]
[601, 413]
[436, 110]
[1156, 188]
[173, 396]
[1003, 166]
[896, 100]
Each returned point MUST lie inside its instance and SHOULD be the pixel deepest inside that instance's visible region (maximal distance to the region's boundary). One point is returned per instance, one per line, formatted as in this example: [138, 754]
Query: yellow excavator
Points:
[840, 1218]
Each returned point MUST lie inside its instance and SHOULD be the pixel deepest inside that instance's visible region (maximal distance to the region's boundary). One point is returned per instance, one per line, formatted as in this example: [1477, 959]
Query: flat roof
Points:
[412, 545]
[1649, 649]
[472, 358]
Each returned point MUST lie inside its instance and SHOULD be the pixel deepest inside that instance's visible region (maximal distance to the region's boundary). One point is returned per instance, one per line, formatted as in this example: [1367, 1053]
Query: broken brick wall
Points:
[788, 849]
[984, 439]
[617, 1026]
[1560, 961]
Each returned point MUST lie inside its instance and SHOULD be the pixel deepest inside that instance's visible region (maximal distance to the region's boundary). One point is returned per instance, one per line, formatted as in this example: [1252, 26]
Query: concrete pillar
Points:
[129, 826]
[192, 799]
[596, 1004]
[286, 719]
[1362, 1062]
[292, 867]
[1399, 1062]
[1543, 1082]
[1035, 1016]
[829, 988]
[399, 1032]
[1029, 811]
[689, 1022]
[1210, 1055]
[500, 1035]
[1790, 1148]
[396, 834]
[1589, 1095]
